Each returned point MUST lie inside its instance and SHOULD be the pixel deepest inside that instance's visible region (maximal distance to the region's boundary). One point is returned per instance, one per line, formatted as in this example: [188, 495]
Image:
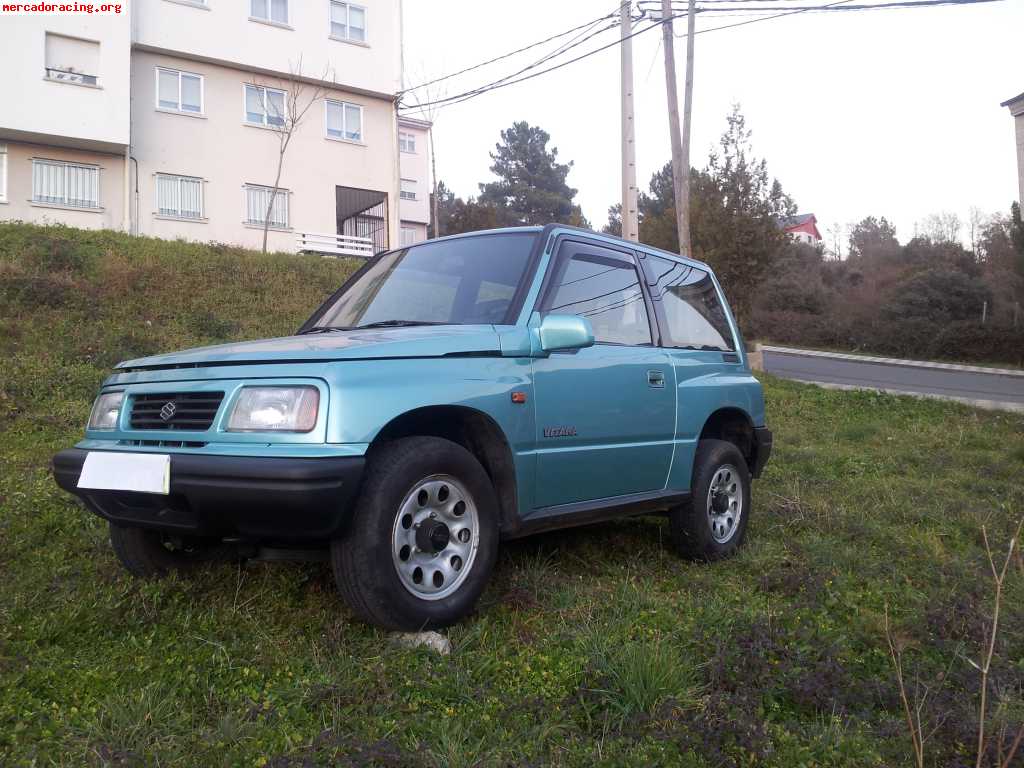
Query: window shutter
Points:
[356, 23]
[69, 54]
[191, 198]
[168, 89]
[167, 195]
[191, 93]
[353, 122]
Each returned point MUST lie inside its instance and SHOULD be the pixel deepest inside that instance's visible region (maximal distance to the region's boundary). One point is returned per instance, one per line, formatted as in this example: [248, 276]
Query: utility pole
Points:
[630, 224]
[691, 17]
[680, 147]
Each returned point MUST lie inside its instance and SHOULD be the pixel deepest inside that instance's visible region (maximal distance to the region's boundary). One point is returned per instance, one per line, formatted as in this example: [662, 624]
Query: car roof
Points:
[615, 239]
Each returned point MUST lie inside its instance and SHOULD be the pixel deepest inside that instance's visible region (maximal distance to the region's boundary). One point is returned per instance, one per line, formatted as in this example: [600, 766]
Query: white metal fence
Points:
[335, 245]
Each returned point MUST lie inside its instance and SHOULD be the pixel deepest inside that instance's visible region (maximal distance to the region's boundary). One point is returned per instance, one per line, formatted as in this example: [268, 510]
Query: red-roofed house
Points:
[803, 227]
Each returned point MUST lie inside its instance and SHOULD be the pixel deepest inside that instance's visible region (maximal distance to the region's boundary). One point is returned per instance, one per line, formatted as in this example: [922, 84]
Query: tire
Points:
[149, 554]
[713, 523]
[407, 518]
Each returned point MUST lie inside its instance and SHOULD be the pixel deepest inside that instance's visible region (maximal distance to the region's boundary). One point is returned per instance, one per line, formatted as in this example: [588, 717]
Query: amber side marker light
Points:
[518, 397]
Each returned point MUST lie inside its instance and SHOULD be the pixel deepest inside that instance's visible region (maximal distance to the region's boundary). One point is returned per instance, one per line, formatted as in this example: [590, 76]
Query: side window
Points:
[603, 289]
[696, 318]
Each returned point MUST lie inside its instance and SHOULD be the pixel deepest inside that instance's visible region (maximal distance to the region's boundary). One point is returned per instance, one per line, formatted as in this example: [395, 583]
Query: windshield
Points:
[465, 281]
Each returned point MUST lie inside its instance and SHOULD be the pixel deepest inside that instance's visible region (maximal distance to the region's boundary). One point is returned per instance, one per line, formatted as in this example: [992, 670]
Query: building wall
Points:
[1019, 121]
[35, 108]
[19, 205]
[222, 149]
[221, 31]
[416, 166]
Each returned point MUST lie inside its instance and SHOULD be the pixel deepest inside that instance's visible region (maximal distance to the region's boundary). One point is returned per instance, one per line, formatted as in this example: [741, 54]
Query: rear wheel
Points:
[424, 536]
[151, 554]
[713, 523]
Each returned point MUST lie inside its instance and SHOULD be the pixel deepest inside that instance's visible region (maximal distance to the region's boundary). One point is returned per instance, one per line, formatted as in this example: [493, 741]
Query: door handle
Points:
[656, 379]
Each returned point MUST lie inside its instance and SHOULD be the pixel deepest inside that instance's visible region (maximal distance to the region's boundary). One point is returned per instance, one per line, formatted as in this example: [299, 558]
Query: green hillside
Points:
[593, 646]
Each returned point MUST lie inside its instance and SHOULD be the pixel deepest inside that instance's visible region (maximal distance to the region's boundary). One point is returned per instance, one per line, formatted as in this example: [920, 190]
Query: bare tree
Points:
[976, 221]
[284, 119]
[998, 578]
[835, 233]
[913, 706]
[942, 227]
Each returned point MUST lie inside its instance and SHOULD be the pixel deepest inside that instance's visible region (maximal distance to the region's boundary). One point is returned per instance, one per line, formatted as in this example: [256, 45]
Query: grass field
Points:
[591, 647]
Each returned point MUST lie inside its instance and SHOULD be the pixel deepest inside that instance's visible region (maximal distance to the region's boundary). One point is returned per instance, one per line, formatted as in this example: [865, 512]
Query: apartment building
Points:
[167, 120]
[65, 124]
[1016, 107]
[414, 185]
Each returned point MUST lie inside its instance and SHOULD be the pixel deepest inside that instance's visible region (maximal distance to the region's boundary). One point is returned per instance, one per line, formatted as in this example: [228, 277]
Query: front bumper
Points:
[254, 498]
[762, 450]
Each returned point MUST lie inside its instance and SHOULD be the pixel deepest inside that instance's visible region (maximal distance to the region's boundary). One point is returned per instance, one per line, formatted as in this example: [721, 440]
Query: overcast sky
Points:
[887, 113]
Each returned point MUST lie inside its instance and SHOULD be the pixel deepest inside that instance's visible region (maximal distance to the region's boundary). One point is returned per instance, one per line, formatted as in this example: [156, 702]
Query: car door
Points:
[701, 347]
[605, 414]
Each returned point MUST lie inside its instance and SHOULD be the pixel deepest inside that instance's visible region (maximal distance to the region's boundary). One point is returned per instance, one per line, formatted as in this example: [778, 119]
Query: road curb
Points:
[989, 405]
[891, 361]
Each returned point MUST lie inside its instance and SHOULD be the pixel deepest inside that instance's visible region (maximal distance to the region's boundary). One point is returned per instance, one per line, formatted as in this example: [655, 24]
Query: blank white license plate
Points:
[142, 472]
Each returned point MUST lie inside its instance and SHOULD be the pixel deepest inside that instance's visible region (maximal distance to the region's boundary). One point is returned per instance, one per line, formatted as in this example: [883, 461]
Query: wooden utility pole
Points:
[630, 224]
[680, 146]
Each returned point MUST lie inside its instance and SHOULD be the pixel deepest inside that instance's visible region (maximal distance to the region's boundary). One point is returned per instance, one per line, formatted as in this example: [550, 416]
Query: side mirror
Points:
[558, 332]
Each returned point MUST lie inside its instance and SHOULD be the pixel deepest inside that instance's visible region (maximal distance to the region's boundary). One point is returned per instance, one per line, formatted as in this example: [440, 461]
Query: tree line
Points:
[929, 297]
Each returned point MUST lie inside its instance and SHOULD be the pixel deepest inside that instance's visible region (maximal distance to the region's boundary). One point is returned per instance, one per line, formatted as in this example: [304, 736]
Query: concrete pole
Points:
[678, 176]
[630, 224]
[684, 233]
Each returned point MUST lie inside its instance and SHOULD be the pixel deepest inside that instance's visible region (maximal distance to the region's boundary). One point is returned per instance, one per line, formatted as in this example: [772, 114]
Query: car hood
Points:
[416, 341]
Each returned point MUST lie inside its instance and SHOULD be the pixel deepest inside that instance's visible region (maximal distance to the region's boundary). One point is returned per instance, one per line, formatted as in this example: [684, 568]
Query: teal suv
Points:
[450, 395]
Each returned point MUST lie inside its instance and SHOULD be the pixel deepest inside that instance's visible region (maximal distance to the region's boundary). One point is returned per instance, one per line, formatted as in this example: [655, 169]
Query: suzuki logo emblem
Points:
[168, 411]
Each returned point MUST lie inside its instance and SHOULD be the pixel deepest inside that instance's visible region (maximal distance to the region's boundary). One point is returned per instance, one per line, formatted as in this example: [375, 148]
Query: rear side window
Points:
[695, 315]
[605, 289]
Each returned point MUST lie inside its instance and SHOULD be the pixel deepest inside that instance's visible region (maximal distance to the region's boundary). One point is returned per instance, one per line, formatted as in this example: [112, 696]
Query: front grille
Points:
[193, 411]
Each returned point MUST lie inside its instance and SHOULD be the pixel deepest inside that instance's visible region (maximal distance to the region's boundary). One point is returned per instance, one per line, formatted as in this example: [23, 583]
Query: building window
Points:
[179, 196]
[407, 142]
[408, 190]
[257, 200]
[3, 173]
[348, 21]
[179, 91]
[344, 120]
[410, 236]
[274, 11]
[264, 106]
[71, 60]
[70, 184]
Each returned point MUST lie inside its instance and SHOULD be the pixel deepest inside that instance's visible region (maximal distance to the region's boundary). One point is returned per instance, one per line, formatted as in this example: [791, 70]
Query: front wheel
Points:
[423, 539]
[713, 523]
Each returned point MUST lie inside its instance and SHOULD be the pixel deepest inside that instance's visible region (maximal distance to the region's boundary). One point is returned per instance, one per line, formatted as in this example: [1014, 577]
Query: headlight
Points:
[105, 411]
[275, 409]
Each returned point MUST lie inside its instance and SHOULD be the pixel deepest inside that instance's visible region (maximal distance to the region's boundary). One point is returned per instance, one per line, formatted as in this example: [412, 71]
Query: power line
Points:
[509, 54]
[860, 7]
[448, 101]
[791, 11]
[499, 84]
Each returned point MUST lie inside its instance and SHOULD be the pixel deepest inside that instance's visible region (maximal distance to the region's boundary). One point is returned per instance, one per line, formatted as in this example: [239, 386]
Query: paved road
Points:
[994, 389]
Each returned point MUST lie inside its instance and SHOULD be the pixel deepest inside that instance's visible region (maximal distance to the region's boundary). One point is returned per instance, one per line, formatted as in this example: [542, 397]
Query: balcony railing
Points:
[335, 245]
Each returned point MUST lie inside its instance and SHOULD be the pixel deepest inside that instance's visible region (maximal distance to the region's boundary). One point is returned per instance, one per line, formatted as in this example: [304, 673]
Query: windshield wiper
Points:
[325, 329]
[395, 324]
